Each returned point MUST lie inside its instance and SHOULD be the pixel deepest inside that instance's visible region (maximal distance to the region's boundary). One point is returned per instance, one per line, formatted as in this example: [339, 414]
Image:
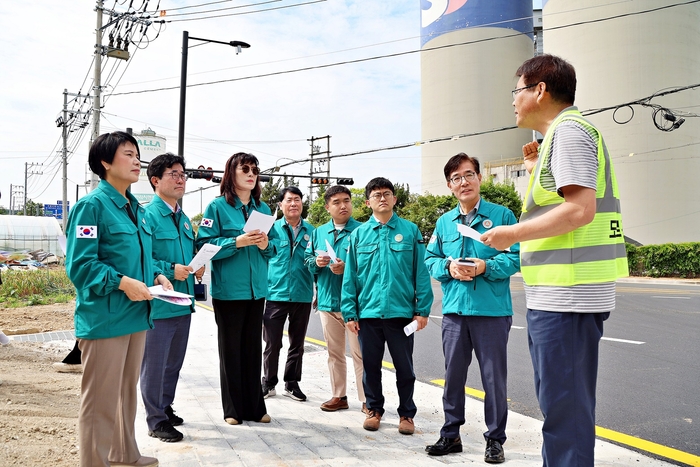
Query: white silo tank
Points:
[622, 53]
[470, 52]
[150, 146]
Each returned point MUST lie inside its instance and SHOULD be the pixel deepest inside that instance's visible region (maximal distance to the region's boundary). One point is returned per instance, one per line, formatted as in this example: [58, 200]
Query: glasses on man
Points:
[247, 169]
[467, 177]
[517, 91]
[379, 196]
[177, 175]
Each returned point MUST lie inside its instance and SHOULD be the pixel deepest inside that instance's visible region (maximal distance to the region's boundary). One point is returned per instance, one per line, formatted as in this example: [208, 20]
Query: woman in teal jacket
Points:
[239, 287]
[109, 261]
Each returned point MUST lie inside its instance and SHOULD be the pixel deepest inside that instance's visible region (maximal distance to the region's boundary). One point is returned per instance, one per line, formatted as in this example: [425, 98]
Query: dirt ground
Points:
[38, 406]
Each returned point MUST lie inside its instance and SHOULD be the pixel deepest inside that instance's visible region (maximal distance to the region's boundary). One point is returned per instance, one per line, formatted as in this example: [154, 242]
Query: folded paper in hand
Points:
[170, 296]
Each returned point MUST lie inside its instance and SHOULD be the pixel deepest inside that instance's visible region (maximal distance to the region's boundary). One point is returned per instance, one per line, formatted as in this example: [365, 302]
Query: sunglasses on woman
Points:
[246, 169]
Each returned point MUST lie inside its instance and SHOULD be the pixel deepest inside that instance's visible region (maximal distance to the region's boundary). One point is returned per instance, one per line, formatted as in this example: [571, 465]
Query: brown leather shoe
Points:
[372, 421]
[406, 426]
[335, 403]
[364, 408]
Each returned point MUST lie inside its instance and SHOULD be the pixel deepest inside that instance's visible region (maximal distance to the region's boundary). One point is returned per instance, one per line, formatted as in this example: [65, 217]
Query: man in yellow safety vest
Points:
[572, 251]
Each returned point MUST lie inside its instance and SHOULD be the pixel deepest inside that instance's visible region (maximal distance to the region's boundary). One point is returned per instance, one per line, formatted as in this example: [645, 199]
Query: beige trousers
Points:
[108, 399]
[334, 332]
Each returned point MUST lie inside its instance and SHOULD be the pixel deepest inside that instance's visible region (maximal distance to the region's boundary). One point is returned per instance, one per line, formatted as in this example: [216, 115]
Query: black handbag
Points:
[200, 292]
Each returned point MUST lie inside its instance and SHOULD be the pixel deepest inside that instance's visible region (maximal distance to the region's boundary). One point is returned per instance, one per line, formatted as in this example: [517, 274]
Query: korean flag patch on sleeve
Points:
[207, 222]
[86, 231]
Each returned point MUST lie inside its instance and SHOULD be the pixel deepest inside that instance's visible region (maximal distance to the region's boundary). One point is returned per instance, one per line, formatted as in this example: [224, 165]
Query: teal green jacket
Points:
[236, 273]
[329, 285]
[171, 244]
[489, 293]
[385, 274]
[103, 244]
[288, 279]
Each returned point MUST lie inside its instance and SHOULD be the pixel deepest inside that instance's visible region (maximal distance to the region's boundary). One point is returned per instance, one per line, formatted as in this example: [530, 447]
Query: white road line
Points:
[624, 341]
[666, 296]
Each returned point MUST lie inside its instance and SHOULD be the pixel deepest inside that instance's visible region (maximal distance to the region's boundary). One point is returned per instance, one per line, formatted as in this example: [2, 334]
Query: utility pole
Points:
[97, 88]
[27, 173]
[16, 192]
[323, 164]
[64, 216]
[65, 121]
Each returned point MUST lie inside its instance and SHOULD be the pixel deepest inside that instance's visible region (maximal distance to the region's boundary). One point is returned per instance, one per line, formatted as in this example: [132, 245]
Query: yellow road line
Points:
[605, 433]
[648, 446]
[620, 438]
[323, 343]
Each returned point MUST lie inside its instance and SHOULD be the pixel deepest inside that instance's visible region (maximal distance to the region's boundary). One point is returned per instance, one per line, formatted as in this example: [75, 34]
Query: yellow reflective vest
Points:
[593, 253]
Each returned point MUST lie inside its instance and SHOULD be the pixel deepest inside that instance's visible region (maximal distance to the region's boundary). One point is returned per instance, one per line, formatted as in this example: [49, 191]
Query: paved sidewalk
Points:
[300, 434]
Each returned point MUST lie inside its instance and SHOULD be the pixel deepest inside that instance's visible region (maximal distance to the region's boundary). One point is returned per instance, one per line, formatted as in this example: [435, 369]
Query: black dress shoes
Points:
[494, 452]
[444, 446]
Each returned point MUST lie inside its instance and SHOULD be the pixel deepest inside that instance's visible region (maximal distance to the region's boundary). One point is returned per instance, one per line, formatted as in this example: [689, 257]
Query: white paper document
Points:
[259, 221]
[331, 252]
[468, 232]
[410, 328]
[204, 255]
[170, 296]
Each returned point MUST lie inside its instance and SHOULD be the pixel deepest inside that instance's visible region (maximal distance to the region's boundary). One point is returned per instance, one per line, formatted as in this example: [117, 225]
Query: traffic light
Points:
[319, 181]
[345, 181]
[201, 172]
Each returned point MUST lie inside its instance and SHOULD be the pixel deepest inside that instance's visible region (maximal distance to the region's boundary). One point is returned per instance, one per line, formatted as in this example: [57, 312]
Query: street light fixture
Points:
[183, 81]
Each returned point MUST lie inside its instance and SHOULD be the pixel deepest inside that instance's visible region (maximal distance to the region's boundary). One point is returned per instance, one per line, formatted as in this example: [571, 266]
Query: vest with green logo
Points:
[593, 253]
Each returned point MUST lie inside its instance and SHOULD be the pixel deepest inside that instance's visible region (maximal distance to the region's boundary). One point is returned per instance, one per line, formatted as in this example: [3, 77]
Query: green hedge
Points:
[667, 260]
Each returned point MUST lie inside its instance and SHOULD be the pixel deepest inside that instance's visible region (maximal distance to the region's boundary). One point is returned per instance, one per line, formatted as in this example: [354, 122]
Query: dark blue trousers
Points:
[276, 313]
[488, 338]
[165, 350]
[374, 333]
[564, 351]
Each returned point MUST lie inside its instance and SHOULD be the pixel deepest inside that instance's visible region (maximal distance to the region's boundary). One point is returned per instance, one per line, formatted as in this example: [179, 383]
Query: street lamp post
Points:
[183, 81]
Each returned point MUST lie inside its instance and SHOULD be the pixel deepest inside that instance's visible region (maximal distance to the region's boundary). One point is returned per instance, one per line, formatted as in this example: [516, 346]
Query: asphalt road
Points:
[649, 376]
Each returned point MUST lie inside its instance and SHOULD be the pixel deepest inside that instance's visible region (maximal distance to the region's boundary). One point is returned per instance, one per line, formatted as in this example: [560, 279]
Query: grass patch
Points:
[40, 287]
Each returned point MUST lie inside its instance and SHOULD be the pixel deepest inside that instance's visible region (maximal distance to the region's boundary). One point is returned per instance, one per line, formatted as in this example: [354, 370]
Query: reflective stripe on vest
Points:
[593, 253]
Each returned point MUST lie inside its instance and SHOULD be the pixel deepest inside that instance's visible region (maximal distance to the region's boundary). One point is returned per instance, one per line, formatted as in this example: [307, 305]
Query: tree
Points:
[425, 210]
[196, 220]
[503, 194]
[33, 209]
[317, 211]
[360, 211]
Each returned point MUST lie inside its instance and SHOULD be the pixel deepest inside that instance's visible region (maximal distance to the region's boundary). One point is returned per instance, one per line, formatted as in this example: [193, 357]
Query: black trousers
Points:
[374, 334]
[239, 324]
[276, 313]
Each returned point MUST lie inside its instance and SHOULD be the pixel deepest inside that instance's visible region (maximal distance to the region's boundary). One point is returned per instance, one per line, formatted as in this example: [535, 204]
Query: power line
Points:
[248, 12]
[161, 15]
[398, 54]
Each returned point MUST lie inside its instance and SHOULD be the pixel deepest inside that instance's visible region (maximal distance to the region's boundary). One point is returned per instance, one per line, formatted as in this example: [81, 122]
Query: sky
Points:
[47, 47]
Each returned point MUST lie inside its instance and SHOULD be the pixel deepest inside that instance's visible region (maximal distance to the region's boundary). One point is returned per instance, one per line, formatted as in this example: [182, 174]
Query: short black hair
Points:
[156, 168]
[557, 74]
[105, 147]
[289, 189]
[377, 184]
[455, 161]
[335, 190]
